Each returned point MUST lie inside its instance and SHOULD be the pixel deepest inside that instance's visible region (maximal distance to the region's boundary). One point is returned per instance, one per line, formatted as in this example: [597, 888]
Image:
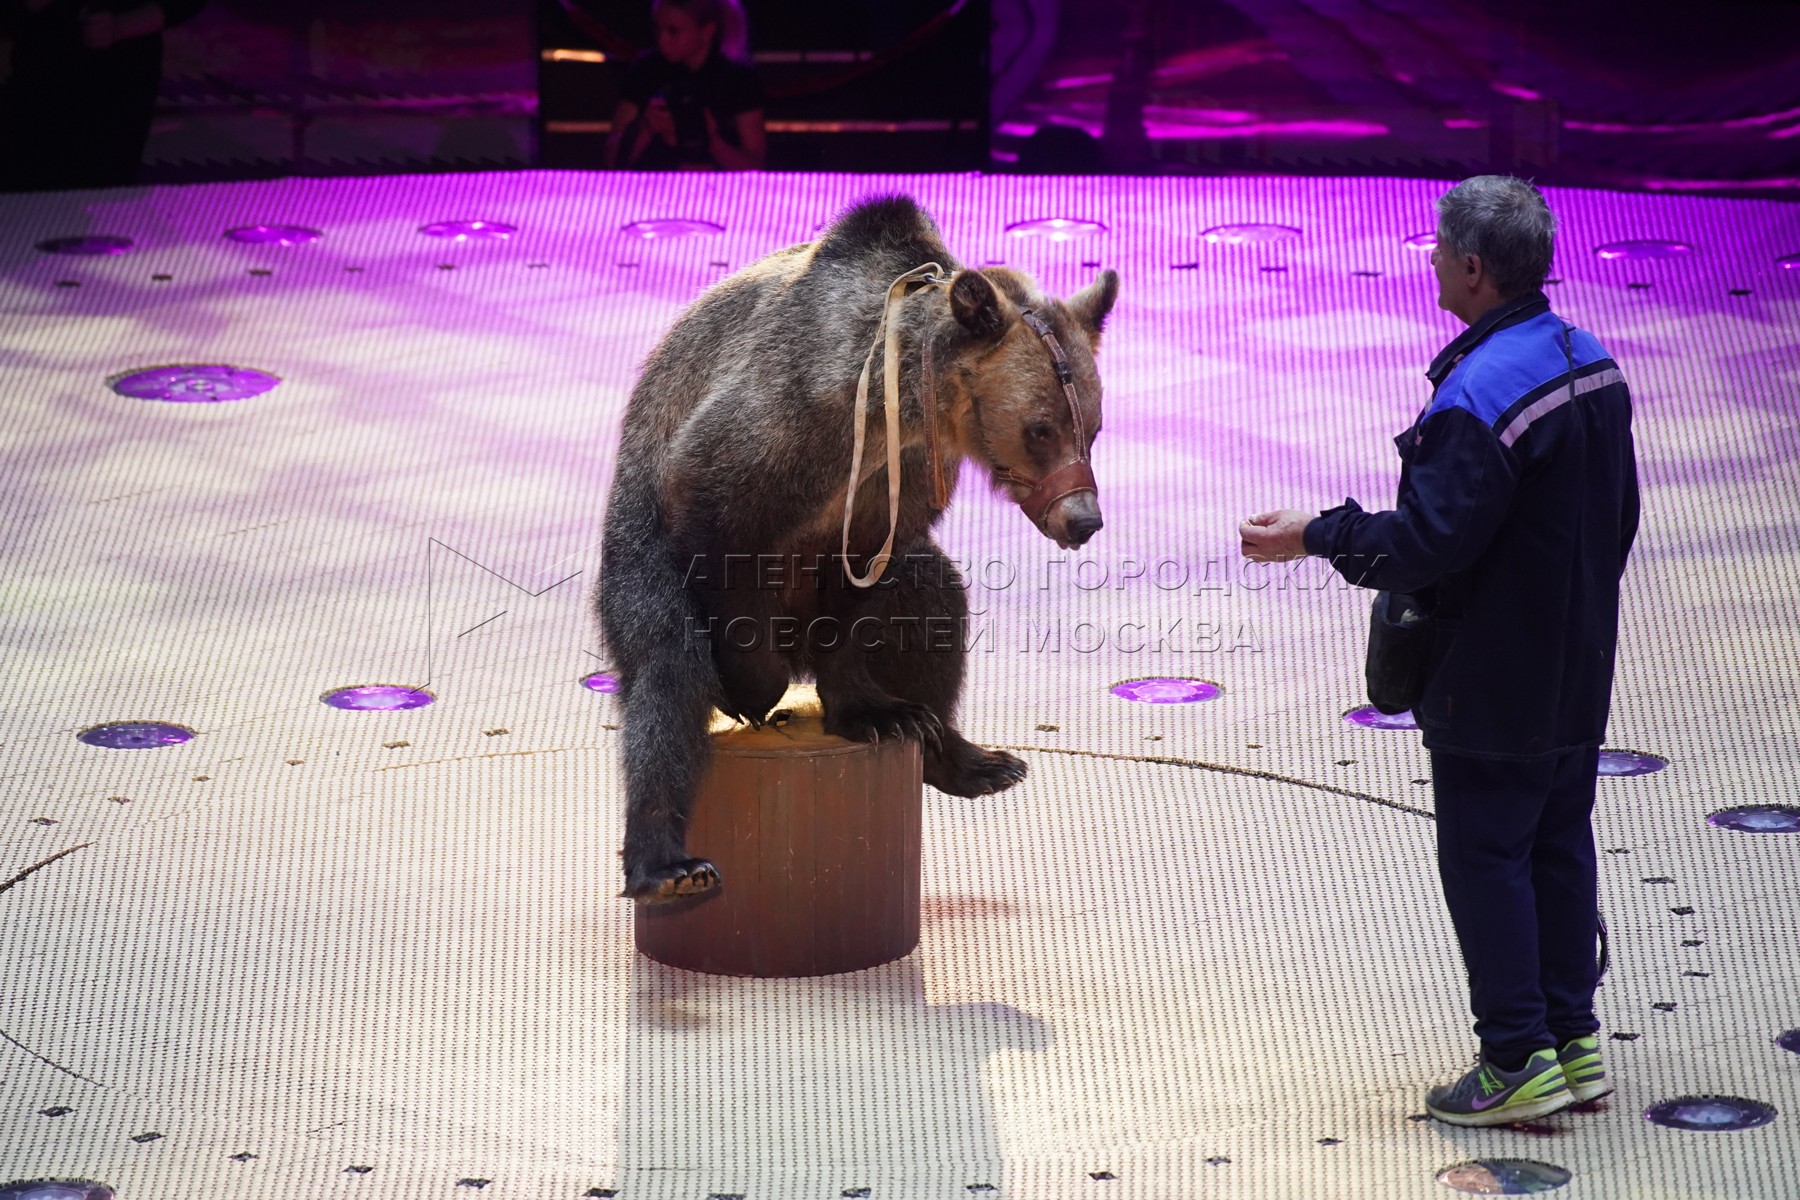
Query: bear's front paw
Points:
[975, 772]
[894, 720]
[672, 881]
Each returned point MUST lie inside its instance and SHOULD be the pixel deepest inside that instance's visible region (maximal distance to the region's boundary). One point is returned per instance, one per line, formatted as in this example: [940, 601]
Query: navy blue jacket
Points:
[1518, 504]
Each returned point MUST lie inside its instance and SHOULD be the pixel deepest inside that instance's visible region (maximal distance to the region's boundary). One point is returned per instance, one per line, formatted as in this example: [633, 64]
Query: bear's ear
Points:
[1092, 303]
[978, 305]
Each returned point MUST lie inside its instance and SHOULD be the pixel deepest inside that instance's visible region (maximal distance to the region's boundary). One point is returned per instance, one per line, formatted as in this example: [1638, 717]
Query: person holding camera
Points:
[1517, 507]
[693, 103]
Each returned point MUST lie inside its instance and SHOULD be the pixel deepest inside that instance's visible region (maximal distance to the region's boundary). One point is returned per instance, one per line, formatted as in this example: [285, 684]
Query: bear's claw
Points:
[900, 719]
[673, 881]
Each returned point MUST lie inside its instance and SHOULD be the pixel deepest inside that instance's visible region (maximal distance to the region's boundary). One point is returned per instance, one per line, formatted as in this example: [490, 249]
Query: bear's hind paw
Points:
[673, 881]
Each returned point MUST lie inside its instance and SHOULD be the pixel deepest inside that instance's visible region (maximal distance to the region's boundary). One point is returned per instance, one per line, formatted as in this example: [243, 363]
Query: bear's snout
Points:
[1084, 527]
[1074, 519]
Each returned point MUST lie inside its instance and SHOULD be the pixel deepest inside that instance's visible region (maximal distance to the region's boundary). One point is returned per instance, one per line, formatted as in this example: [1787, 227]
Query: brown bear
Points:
[737, 557]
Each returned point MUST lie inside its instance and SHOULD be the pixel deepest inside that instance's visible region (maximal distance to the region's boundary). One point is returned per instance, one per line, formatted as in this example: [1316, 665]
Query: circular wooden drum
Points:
[817, 842]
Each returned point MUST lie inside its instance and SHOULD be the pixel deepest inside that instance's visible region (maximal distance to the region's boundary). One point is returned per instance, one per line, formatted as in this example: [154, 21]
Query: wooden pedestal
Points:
[817, 841]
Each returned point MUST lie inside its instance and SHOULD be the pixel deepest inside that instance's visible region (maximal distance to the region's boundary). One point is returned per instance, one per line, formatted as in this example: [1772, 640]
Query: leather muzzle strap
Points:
[1066, 480]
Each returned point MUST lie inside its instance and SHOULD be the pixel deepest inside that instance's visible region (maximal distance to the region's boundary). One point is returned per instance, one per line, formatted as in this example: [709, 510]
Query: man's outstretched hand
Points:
[1274, 536]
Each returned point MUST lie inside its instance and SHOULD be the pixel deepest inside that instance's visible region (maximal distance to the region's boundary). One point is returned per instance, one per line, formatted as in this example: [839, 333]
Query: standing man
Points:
[1518, 504]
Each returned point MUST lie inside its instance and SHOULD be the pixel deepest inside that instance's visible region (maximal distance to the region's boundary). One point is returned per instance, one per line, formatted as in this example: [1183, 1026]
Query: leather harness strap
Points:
[940, 491]
[887, 336]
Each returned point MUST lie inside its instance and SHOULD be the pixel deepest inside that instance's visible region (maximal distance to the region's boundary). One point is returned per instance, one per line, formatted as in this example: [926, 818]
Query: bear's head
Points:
[1018, 418]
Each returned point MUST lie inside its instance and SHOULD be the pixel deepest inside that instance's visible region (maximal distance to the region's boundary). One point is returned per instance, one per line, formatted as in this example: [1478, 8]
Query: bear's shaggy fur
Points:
[728, 503]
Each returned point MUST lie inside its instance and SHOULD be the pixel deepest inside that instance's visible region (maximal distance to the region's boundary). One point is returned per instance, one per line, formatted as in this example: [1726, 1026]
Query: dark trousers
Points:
[1516, 856]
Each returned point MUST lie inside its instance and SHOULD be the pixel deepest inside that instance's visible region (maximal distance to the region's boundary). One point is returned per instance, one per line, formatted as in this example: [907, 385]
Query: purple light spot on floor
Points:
[378, 697]
[602, 681]
[1166, 691]
[134, 735]
[670, 227]
[273, 235]
[1370, 717]
[193, 382]
[88, 245]
[1789, 262]
[1758, 818]
[1629, 762]
[1055, 229]
[1790, 1041]
[1249, 235]
[1710, 1113]
[1421, 241]
[463, 231]
[1504, 1177]
[1644, 248]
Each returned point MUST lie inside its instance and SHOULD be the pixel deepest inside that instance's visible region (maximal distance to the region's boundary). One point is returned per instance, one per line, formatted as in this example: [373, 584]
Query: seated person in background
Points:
[693, 103]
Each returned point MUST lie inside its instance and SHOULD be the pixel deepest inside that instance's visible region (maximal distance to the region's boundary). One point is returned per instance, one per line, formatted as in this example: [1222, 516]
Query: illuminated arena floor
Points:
[313, 952]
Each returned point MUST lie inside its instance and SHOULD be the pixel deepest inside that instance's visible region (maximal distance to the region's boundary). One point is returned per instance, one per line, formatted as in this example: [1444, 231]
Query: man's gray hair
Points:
[1505, 223]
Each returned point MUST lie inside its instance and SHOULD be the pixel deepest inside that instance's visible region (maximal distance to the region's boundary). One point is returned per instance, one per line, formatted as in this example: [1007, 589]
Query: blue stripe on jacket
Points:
[1499, 371]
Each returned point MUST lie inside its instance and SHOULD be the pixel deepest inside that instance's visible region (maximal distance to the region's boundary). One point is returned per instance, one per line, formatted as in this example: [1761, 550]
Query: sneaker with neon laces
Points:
[1489, 1095]
[1582, 1069]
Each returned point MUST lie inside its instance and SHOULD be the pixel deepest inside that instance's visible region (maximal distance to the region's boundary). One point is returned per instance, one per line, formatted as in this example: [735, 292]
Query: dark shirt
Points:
[721, 86]
[1517, 507]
